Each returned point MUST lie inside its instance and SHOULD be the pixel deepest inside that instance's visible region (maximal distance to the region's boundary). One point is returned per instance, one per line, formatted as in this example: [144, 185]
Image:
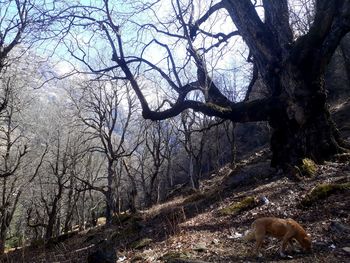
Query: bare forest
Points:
[159, 130]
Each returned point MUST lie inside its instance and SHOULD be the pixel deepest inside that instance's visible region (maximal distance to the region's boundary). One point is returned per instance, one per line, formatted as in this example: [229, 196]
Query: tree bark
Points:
[302, 127]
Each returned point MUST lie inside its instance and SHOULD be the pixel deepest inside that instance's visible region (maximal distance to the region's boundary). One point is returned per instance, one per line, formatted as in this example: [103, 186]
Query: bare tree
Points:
[22, 23]
[229, 128]
[171, 141]
[155, 144]
[133, 185]
[15, 18]
[52, 195]
[16, 170]
[100, 109]
[291, 68]
[87, 200]
[195, 133]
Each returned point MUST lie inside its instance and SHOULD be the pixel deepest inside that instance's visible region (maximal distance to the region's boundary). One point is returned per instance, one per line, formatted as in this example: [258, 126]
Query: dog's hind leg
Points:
[259, 237]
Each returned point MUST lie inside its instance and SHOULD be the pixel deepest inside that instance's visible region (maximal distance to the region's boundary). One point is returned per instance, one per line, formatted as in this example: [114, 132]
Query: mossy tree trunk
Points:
[302, 127]
[294, 74]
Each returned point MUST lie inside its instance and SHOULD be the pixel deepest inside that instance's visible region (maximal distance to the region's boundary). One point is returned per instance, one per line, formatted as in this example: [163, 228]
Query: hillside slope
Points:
[200, 227]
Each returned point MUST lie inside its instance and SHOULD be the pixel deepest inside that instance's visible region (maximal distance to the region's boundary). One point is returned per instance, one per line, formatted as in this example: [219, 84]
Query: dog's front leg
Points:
[293, 247]
[286, 240]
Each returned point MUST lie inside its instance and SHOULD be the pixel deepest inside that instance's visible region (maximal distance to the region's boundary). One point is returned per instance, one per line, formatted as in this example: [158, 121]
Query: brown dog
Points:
[283, 229]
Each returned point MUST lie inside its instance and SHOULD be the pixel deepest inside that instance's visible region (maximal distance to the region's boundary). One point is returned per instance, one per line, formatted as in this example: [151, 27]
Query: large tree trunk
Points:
[293, 71]
[302, 127]
[291, 142]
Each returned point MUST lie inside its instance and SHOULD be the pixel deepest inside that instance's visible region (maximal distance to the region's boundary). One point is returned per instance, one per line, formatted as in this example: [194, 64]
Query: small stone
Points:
[121, 259]
[215, 241]
[332, 246]
[264, 200]
[346, 249]
[339, 227]
[201, 247]
[141, 243]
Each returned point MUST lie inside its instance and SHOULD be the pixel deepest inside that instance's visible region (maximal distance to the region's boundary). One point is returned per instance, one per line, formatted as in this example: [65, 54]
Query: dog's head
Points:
[306, 243]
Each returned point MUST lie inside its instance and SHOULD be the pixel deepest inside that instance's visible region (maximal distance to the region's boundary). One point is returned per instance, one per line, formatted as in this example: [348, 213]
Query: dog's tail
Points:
[249, 235]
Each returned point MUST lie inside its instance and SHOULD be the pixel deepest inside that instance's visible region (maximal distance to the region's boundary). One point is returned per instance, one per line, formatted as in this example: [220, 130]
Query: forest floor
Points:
[197, 228]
